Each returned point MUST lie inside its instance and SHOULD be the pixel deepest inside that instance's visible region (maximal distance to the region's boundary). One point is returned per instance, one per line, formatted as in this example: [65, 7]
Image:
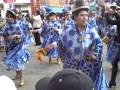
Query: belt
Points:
[35, 28]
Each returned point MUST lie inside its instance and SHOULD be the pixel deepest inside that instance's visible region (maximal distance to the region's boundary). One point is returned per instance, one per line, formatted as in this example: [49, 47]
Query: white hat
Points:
[113, 5]
[6, 83]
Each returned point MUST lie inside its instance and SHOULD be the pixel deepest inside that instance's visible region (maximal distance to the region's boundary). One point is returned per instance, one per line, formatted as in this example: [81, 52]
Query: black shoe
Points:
[112, 84]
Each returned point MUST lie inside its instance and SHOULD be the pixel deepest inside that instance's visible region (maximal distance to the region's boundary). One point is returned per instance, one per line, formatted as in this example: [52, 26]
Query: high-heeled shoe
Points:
[111, 84]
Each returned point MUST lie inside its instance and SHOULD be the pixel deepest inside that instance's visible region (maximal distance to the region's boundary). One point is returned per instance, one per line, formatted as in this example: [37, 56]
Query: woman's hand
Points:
[106, 40]
[12, 37]
[49, 47]
[90, 57]
[18, 36]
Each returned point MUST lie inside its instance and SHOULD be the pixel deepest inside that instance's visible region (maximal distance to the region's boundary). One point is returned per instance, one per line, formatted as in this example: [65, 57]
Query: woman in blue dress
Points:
[50, 32]
[17, 55]
[81, 47]
[27, 29]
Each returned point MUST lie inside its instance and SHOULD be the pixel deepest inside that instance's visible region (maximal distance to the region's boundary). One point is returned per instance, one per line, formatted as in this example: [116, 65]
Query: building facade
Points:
[36, 4]
[55, 3]
[31, 5]
[23, 5]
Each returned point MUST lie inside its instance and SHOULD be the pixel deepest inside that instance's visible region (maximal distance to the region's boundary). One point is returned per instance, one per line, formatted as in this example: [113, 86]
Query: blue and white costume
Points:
[26, 27]
[17, 54]
[74, 48]
[51, 36]
[112, 50]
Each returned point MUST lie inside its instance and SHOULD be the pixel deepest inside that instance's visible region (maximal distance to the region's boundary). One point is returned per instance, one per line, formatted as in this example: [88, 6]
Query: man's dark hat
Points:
[67, 79]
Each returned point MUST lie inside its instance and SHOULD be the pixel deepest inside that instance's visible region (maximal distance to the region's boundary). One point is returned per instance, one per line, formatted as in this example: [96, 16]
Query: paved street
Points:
[34, 70]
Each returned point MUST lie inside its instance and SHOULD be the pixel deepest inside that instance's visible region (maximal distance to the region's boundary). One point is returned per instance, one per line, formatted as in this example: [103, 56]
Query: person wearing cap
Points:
[110, 33]
[67, 79]
[16, 54]
[26, 26]
[116, 53]
[50, 33]
[67, 20]
[81, 47]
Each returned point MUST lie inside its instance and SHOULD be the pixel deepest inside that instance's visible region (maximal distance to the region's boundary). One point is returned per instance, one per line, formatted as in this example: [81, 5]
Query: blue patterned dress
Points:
[75, 46]
[50, 36]
[25, 25]
[112, 50]
[17, 55]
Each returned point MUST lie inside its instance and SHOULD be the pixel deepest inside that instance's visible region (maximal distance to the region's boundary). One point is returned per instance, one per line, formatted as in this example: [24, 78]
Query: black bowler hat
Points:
[77, 7]
[11, 13]
[67, 79]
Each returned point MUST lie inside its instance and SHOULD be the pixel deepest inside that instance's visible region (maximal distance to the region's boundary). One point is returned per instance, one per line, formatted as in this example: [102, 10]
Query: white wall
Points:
[1, 1]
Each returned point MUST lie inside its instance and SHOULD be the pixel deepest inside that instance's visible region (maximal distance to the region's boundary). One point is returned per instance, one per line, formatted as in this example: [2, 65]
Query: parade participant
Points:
[28, 30]
[67, 6]
[92, 18]
[50, 32]
[16, 54]
[110, 16]
[116, 57]
[101, 25]
[37, 23]
[110, 33]
[26, 26]
[81, 47]
[67, 20]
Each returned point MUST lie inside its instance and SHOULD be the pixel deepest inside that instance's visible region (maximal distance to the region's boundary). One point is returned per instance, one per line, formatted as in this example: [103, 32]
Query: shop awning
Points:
[54, 9]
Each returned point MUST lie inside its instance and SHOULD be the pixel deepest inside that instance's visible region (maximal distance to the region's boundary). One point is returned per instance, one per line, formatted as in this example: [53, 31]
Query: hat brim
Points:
[10, 12]
[113, 6]
[42, 84]
[118, 8]
[86, 8]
